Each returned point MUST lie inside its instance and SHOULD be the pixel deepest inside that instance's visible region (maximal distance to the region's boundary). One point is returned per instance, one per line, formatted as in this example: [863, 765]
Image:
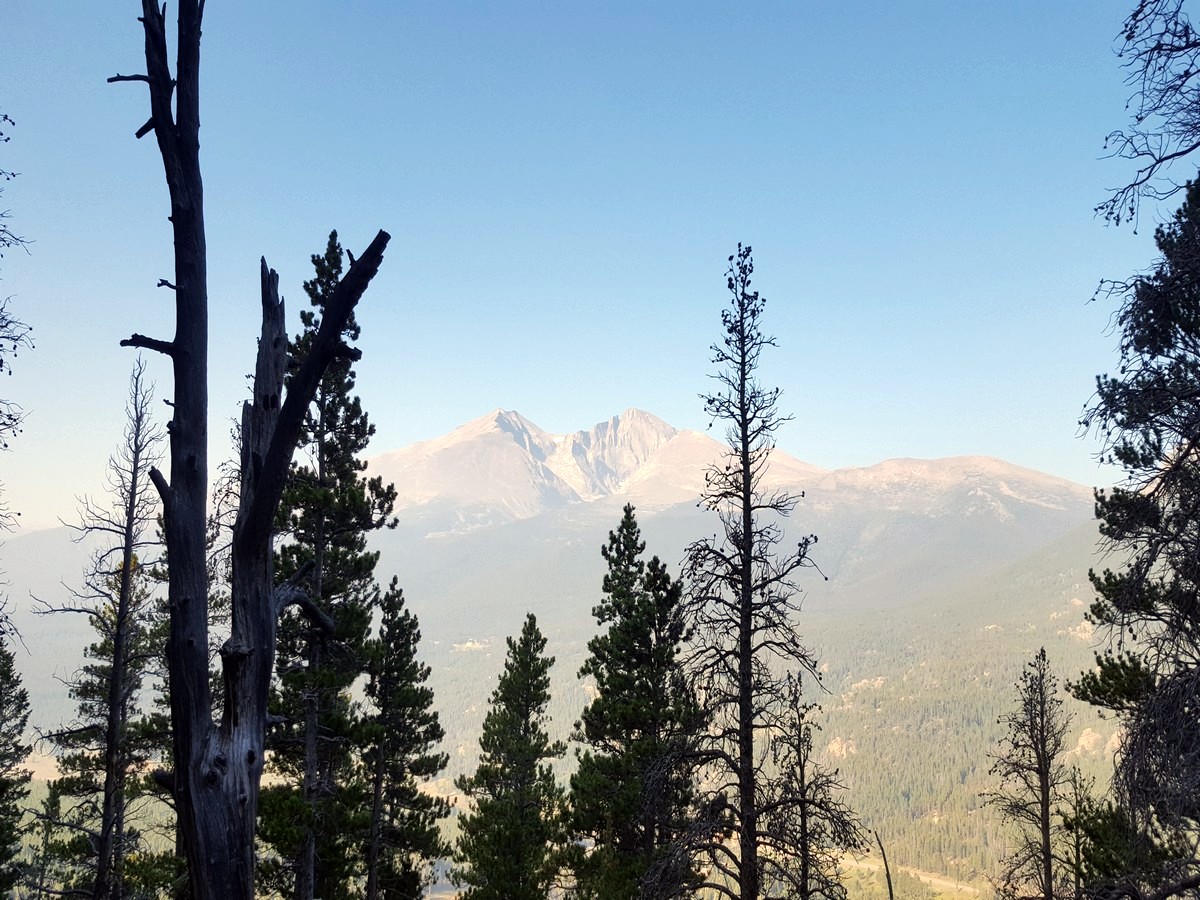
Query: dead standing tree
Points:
[218, 764]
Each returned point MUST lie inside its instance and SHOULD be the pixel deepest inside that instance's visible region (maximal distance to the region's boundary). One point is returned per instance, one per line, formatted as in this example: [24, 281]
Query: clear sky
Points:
[563, 182]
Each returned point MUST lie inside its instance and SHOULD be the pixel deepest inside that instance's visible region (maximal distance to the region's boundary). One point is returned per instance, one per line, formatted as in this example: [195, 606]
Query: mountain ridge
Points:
[502, 467]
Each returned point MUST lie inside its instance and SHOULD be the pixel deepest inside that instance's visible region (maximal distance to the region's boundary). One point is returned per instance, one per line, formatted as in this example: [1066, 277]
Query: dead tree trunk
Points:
[219, 764]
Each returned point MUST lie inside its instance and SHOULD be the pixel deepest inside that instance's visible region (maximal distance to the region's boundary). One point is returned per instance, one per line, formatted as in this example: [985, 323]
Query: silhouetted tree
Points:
[510, 842]
[631, 796]
[1118, 858]
[1033, 778]
[51, 866]
[1161, 53]
[804, 811]
[102, 750]
[312, 815]
[744, 604]
[14, 779]
[401, 733]
[1149, 417]
[14, 699]
[218, 764]
[1076, 805]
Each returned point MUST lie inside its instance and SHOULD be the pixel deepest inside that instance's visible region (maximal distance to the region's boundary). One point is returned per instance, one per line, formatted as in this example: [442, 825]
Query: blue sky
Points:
[563, 183]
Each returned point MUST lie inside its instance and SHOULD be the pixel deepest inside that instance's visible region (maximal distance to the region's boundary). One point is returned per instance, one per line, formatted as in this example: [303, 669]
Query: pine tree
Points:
[51, 865]
[631, 795]
[14, 780]
[313, 817]
[509, 845]
[103, 751]
[1149, 417]
[744, 602]
[96, 830]
[14, 699]
[1033, 783]
[1077, 849]
[399, 758]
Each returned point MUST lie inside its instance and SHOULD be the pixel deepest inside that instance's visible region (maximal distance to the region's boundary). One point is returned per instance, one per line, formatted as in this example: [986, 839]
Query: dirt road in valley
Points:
[935, 881]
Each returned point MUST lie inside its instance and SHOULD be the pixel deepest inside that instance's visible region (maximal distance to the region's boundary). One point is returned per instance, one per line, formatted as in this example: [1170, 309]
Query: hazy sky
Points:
[563, 182]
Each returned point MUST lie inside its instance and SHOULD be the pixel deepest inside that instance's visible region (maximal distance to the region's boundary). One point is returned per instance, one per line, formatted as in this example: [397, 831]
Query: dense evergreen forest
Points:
[256, 715]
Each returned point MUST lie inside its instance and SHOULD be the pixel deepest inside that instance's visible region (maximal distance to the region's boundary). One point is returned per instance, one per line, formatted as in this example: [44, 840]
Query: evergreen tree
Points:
[313, 817]
[14, 780]
[14, 700]
[1149, 416]
[97, 828]
[216, 792]
[1033, 782]
[399, 758]
[1108, 852]
[631, 795]
[102, 752]
[1076, 806]
[509, 845]
[51, 866]
[744, 601]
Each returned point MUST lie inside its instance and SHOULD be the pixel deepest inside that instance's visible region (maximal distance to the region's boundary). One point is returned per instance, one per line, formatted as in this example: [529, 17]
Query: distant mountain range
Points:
[943, 577]
[887, 532]
[501, 467]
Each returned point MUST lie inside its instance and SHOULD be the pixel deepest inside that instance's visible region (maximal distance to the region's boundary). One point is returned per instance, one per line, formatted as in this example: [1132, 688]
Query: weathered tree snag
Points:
[218, 765]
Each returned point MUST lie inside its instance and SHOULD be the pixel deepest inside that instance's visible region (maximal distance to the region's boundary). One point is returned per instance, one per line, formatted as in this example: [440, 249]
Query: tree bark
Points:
[1046, 785]
[747, 721]
[375, 840]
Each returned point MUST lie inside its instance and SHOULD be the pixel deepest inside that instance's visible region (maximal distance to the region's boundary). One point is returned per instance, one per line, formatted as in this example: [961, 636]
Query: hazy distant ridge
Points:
[502, 468]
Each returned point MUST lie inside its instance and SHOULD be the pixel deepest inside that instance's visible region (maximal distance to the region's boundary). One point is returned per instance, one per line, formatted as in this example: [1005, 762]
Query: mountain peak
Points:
[640, 417]
[508, 421]
[598, 461]
[501, 466]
